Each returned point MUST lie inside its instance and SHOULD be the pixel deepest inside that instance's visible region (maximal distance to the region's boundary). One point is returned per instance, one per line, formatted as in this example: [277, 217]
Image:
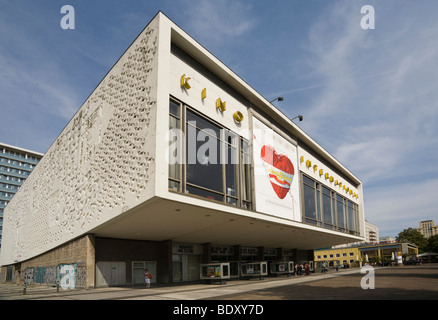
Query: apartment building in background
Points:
[428, 228]
[16, 164]
[371, 232]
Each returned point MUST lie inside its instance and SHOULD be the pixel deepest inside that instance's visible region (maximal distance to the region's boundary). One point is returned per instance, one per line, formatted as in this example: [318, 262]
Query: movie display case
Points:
[254, 269]
[282, 267]
[219, 271]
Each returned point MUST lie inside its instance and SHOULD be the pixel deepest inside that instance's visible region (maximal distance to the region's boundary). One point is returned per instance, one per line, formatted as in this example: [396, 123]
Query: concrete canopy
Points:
[162, 219]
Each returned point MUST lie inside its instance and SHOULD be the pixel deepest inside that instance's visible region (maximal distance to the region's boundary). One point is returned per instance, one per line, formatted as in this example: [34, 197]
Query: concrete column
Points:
[168, 277]
[90, 261]
[237, 253]
[206, 256]
[280, 254]
[261, 255]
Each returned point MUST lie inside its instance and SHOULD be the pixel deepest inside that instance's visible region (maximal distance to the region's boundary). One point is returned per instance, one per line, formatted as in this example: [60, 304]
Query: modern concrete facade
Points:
[16, 164]
[133, 177]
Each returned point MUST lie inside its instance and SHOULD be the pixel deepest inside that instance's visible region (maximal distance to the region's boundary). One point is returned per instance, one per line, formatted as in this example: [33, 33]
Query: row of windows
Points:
[206, 159]
[210, 161]
[337, 255]
[7, 195]
[326, 208]
[17, 163]
[18, 155]
[12, 179]
[16, 171]
[9, 186]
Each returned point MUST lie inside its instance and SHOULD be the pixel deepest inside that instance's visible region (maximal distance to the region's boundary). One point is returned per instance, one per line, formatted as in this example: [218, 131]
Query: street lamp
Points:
[300, 117]
[279, 99]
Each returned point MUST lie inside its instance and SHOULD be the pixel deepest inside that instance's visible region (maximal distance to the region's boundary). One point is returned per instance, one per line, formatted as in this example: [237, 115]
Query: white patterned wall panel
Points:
[99, 166]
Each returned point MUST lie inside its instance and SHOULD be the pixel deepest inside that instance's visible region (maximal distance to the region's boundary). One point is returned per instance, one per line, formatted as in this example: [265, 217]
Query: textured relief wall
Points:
[100, 165]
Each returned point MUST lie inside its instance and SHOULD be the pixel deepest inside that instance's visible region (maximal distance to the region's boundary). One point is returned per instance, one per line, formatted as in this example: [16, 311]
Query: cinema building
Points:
[177, 165]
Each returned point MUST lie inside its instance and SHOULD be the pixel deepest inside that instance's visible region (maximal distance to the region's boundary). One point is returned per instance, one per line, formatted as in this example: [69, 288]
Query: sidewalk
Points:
[162, 292]
[391, 283]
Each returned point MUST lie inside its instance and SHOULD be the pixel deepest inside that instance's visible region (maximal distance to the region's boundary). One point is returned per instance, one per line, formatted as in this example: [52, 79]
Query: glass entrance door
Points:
[185, 267]
[177, 272]
[193, 266]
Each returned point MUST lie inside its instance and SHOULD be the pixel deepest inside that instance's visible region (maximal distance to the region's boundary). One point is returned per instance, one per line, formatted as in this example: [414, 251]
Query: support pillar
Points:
[91, 261]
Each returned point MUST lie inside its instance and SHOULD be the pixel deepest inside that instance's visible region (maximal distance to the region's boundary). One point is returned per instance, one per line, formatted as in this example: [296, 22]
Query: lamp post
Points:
[278, 99]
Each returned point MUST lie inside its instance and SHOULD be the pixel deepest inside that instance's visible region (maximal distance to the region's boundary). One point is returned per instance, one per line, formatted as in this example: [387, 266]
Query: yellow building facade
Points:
[338, 256]
[354, 255]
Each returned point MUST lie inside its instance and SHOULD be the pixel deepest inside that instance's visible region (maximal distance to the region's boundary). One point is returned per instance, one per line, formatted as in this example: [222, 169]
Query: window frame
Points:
[350, 209]
[243, 198]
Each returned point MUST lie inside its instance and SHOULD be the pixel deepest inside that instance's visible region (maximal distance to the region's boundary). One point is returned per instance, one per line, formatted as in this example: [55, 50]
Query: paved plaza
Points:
[390, 283]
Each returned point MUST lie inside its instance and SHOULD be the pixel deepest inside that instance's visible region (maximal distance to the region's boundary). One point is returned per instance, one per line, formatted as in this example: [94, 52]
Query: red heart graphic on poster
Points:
[279, 169]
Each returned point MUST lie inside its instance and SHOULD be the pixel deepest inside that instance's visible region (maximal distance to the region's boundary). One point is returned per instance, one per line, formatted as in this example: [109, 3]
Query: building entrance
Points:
[186, 267]
[110, 273]
[138, 268]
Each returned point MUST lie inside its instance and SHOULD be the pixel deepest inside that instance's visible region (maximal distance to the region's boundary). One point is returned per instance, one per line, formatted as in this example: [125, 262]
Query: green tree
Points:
[432, 244]
[413, 236]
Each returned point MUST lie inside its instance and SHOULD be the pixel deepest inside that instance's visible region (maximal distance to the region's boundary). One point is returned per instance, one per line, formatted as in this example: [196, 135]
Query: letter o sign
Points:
[238, 116]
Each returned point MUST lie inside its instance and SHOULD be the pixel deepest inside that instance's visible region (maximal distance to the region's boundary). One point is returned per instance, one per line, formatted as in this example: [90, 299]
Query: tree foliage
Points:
[413, 236]
[432, 244]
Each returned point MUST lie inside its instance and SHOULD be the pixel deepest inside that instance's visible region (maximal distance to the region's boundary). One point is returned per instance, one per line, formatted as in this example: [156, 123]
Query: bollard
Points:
[24, 289]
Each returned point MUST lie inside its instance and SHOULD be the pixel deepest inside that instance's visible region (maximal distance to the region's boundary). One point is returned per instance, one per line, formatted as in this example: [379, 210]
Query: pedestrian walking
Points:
[324, 267]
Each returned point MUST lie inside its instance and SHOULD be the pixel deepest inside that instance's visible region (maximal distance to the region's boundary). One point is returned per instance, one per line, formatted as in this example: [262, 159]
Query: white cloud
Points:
[40, 90]
[394, 208]
[376, 90]
[373, 158]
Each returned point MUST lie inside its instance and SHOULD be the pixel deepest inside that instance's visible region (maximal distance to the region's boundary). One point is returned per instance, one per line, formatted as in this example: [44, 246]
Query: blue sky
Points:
[369, 97]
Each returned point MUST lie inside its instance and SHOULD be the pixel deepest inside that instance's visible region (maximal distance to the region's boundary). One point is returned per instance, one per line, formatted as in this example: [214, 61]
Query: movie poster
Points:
[275, 173]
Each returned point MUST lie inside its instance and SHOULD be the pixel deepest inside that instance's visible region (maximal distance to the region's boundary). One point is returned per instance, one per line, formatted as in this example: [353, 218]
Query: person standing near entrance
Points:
[147, 278]
[307, 268]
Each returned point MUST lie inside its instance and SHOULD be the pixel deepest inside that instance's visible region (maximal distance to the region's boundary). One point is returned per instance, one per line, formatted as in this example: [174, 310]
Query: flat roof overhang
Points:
[161, 219]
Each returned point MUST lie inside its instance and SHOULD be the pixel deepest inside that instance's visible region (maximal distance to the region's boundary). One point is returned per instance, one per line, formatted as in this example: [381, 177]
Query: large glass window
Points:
[351, 217]
[324, 207]
[174, 126]
[310, 215]
[216, 162]
[340, 213]
[245, 173]
[203, 152]
[327, 207]
[231, 168]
